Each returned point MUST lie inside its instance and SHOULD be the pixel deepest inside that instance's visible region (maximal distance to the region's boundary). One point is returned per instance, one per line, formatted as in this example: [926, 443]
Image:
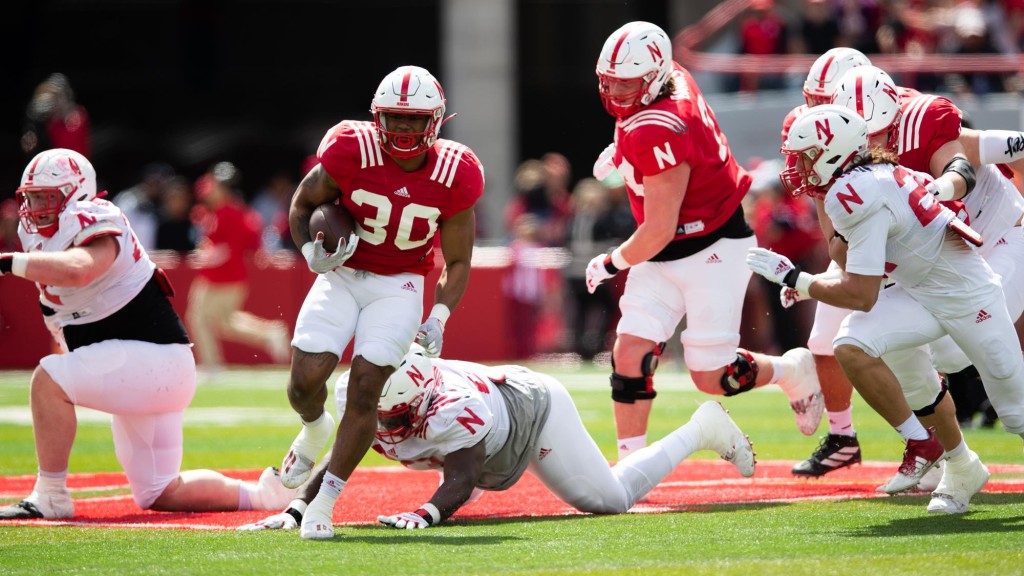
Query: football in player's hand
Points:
[334, 221]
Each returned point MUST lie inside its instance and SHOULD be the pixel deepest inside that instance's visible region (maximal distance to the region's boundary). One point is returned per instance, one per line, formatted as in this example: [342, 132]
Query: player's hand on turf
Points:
[321, 261]
[788, 296]
[772, 266]
[431, 336]
[279, 521]
[597, 272]
[604, 165]
[405, 520]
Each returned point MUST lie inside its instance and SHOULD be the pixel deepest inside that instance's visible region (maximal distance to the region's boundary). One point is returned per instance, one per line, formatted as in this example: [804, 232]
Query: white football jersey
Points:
[465, 408]
[895, 227]
[994, 206]
[79, 224]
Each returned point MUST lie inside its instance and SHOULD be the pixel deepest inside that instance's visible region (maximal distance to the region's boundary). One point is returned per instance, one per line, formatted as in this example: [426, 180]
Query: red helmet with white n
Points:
[871, 93]
[825, 140]
[409, 90]
[827, 71]
[52, 180]
[634, 64]
[404, 401]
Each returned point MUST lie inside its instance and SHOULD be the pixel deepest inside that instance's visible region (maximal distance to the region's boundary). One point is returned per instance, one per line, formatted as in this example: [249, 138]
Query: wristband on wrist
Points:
[19, 264]
[618, 260]
[790, 278]
[6, 263]
[430, 513]
[441, 312]
[803, 284]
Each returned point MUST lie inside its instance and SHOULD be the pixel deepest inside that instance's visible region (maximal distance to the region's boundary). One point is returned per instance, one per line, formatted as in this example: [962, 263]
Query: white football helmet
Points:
[638, 59]
[408, 90]
[52, 180]
[872, 94]
[827, 71]
[404, 401]
[825, 140]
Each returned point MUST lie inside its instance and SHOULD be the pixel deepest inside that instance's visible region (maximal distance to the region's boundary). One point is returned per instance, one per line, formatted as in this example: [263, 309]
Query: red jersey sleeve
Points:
[659, 141]
[928, 123]
[468, 177]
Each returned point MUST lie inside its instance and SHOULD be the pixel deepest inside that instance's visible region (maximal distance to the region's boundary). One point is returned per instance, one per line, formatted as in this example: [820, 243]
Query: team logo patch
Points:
[403, 192]
[713, 259]
[982, 316]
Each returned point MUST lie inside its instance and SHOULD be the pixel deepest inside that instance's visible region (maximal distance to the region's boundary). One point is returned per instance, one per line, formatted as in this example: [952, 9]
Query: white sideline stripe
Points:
[226, 416]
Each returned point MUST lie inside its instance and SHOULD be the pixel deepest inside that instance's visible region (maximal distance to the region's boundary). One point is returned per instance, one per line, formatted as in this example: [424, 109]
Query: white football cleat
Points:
[720, 434]
[316, 526]
[311, 441]
[930, 481]
[958, 485]
[799, 379]
[271, 494]
[40, 506]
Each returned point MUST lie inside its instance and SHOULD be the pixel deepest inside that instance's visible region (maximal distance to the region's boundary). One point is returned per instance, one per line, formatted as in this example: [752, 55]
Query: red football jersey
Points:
[397, 213]
[928, 122]
[681, 128]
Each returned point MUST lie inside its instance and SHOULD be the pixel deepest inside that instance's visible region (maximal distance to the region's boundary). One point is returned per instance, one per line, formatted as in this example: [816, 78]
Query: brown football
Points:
[334, 221]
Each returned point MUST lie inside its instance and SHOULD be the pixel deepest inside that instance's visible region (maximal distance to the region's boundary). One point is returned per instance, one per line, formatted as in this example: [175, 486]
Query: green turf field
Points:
[243, 421]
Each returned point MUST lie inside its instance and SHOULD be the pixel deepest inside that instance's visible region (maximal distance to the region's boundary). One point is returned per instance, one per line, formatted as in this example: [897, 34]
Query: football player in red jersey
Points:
[687, 254]
[126, 352]
[402, 184]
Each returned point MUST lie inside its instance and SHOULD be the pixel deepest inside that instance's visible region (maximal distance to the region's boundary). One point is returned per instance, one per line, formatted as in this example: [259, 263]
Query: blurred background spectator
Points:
[175, 230]
[231, 233]
[54, 120]
[142, 202]
[763, 32]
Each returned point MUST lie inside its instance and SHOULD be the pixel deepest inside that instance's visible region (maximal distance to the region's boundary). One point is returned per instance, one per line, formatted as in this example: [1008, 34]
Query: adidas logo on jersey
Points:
[982, 316]
[543, 453]
[410, 287]
[403, 192]
[713, 259]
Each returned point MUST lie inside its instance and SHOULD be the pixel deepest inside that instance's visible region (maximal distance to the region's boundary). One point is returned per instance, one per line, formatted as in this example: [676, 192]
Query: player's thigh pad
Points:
[991, 344]
[574, 469]
[390, 315]
[149, 449]
[126, 376]
[947, 357]
[327, 319]
[896, 322]
[1007, 260]
[918, 379]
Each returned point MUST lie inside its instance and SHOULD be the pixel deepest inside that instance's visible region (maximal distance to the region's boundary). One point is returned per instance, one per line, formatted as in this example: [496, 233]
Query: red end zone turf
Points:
[373, 491]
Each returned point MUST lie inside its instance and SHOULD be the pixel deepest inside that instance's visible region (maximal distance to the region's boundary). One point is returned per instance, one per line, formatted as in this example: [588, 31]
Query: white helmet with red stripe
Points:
[634, 64]
[825, 140]
[409, 90]
[872, 94]
[827, 71]
[52, 180]
[405, 398]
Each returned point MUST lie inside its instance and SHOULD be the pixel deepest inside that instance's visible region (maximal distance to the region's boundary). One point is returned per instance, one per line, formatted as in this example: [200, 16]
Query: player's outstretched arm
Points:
[77, 266]
[462, 469]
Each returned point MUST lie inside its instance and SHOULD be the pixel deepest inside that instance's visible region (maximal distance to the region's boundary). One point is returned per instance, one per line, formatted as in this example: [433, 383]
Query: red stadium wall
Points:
[477, 331]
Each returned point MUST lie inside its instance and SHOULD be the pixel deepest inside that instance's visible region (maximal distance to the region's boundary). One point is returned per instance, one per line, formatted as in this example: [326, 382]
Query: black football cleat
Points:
[833, 453]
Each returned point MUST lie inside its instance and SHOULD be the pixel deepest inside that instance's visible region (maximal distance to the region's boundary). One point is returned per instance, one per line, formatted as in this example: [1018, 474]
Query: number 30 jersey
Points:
[397, 213]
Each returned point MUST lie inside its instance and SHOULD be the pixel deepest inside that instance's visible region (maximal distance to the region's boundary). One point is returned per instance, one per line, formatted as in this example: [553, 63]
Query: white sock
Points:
[959, 456]
[629, 445]
[841, 423]
[247, 495]
[912, 429]
[53, 483]
[323, 504]
[314, 435]
[778, 367]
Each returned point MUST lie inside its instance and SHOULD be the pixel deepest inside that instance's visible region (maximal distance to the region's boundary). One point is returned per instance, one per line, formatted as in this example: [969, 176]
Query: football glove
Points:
[406, 520]
[321, 261]
[431, 336]
[287, 520]
[774, 267]
[604, 165]
[789, 296]
[598, 271]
